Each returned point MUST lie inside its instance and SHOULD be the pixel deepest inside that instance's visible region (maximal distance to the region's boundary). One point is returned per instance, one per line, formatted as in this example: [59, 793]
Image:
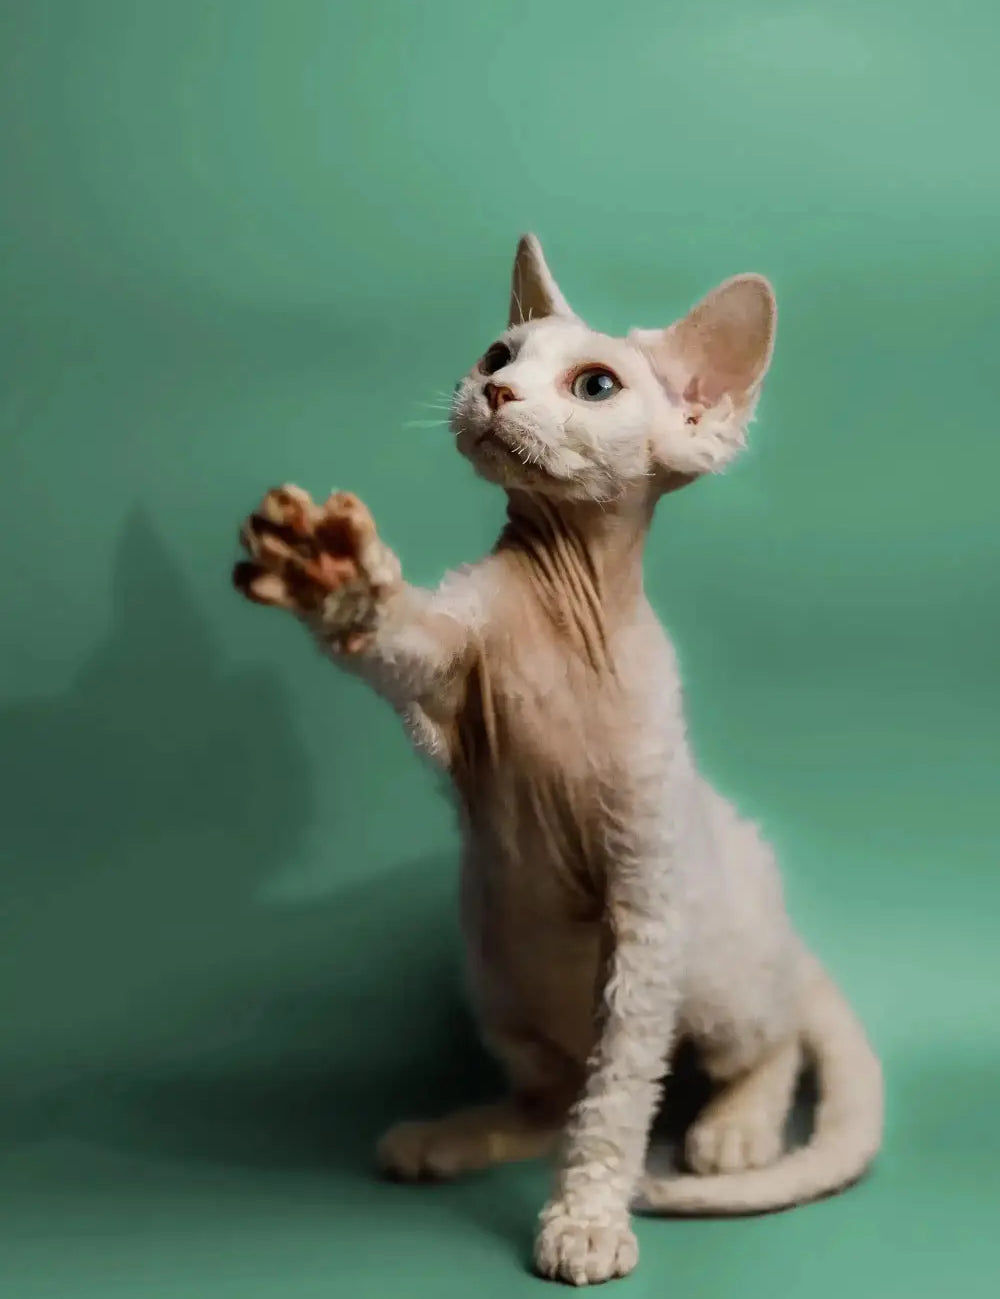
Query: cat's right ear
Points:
[534, 294]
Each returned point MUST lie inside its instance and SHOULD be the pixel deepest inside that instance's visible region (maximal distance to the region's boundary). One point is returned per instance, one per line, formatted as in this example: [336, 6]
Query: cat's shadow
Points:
[163, 1005]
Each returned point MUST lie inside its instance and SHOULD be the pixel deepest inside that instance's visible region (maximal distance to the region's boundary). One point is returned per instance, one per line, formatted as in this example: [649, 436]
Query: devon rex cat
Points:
[613, 903]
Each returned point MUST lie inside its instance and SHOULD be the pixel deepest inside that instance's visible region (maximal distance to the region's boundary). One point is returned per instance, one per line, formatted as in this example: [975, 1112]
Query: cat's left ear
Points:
[534, 292]
[712, 364]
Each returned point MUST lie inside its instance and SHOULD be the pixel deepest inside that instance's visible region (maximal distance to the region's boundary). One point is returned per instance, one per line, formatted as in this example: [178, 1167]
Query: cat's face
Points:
[556, 408]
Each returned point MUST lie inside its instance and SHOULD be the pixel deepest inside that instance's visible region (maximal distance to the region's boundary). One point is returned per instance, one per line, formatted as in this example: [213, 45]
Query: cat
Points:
[613, 904]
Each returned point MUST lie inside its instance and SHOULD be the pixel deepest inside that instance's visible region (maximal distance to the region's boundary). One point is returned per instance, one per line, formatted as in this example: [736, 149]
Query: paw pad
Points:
[314, 559]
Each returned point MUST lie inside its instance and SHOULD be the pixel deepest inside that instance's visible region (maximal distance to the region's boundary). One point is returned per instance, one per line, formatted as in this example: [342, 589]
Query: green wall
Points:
[244, 242]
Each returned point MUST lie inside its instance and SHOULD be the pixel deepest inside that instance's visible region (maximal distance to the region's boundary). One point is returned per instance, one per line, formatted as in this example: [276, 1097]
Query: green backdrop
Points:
[244, 242]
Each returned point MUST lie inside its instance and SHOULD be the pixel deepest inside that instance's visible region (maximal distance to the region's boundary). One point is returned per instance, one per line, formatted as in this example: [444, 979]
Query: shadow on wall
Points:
[158, 1004]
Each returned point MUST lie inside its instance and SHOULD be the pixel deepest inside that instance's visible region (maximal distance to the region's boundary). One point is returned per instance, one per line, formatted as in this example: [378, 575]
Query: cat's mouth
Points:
[504, 452]
[493, 439]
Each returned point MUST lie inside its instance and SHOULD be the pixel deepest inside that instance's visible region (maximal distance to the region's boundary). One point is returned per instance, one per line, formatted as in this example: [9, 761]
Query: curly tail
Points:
[846, 1138]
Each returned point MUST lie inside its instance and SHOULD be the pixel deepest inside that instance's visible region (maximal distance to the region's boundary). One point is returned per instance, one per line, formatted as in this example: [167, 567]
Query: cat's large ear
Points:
[534, 293]
[712, 364]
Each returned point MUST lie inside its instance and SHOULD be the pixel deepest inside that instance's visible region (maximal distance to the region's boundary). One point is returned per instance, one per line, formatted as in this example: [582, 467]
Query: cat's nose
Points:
[498, 394]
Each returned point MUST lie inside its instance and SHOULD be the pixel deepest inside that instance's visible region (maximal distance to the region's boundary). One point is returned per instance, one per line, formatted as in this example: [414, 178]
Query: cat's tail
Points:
[846, 1137]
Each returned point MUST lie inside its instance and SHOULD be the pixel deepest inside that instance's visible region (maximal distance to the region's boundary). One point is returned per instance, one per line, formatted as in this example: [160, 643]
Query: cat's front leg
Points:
[585, 1234]
[327, 565]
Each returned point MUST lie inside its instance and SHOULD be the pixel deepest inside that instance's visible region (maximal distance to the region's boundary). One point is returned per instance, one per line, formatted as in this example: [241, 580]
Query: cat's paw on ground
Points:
[323, 561]
[582, 1251]
[733, 1142]
[432, 1151]
[464, 1142]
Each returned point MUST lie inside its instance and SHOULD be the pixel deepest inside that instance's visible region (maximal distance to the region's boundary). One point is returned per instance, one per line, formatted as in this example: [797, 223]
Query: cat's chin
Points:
[499, 459]
[505, 468]
[531, 480]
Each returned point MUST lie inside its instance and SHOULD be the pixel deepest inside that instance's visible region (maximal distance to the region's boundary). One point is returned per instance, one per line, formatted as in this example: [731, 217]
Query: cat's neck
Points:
[581, 560]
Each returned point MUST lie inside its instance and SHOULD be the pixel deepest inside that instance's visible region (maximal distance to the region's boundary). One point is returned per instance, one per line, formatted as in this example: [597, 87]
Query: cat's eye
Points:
[595, 384]
[495, 358]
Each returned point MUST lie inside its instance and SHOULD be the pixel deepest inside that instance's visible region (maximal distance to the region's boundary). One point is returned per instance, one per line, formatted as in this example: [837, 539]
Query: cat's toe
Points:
[417, 1152]
[579, 1250]
[731, 1143]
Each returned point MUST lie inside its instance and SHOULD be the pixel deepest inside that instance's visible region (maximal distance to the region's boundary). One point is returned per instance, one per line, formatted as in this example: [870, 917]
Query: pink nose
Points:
[498, 394]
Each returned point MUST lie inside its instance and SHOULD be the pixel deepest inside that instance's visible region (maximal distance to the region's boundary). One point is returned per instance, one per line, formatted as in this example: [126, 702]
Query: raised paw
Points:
[732, 1142]
[584, 1251]
[321, 561]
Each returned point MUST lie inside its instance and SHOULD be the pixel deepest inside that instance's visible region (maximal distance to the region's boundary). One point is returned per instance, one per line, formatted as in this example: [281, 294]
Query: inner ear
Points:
[720, 349]
[534, 293]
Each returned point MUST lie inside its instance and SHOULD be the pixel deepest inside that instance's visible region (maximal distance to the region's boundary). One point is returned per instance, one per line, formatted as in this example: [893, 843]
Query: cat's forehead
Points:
[556, 336]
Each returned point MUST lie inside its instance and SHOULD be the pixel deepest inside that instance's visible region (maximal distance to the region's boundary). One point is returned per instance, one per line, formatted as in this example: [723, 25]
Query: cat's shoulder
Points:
[467, 593]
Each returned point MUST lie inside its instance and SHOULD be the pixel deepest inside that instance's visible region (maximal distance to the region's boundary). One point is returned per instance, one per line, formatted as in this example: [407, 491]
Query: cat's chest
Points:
[542, 708]
[540, 767]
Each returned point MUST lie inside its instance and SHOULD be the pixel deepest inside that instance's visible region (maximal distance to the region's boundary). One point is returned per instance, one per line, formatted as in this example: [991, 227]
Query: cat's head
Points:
[556, 408]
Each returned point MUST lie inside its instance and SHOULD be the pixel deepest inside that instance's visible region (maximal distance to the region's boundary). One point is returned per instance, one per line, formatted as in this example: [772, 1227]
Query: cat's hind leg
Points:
[527, 1125]
[743, 1125]
[465, 1142]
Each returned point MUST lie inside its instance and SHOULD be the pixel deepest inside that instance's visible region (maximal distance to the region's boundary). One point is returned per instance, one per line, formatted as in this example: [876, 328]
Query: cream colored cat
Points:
[613, 903]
